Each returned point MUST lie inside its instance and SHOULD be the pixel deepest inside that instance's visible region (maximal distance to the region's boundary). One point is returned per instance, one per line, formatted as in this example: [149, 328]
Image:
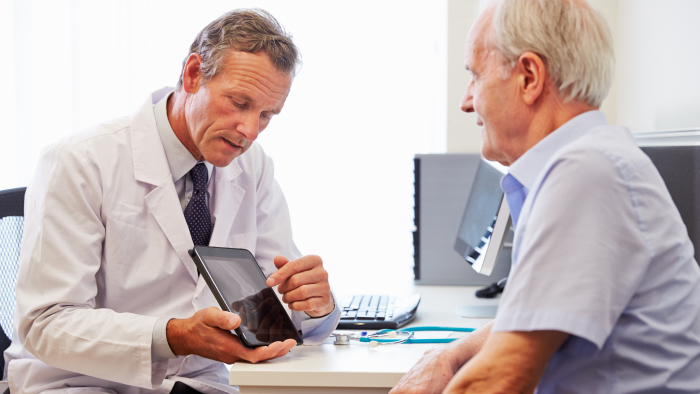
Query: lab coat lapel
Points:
[151, 167]
[227, 199]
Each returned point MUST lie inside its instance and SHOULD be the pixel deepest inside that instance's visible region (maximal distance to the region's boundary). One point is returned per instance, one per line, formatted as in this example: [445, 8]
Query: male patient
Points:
[108, 299]
[604, 292]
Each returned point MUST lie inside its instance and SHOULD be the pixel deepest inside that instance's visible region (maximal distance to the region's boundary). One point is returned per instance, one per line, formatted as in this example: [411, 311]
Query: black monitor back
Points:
[679, 167]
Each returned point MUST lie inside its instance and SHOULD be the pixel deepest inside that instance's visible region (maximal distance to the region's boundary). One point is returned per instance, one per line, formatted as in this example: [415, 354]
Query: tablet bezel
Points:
[199, 255]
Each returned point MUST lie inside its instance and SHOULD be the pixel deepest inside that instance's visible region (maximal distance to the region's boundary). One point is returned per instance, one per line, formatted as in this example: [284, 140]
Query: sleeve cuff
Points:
[316, 330]
[574, 324]
[160, 349]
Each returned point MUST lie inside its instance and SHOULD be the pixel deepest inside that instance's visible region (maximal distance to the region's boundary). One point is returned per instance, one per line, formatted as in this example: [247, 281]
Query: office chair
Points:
[11, 228]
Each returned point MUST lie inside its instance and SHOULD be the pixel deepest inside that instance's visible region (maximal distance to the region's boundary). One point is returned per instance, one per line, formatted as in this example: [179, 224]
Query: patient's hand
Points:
[207, 334]
[429, 376]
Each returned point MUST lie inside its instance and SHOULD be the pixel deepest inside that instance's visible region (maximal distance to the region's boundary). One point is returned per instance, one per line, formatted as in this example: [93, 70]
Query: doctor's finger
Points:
[273, 350]
[215, 317]
[311, 304]
[287, 346]
[312, 276]
[307, 291]
[299, 265]
[280, 261]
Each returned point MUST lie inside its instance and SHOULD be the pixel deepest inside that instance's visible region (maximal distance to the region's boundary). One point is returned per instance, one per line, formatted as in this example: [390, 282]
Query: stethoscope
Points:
[391, 337]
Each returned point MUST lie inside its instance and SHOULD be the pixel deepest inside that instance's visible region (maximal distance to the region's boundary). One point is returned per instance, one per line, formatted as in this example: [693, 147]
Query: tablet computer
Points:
[239, 286]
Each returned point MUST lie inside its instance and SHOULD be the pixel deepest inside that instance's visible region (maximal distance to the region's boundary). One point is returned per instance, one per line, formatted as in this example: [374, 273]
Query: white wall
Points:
[463, 135]
[659, 64]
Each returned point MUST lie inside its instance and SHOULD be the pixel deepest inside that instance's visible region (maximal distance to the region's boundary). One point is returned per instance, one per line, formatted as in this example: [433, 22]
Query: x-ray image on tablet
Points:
[238, 284]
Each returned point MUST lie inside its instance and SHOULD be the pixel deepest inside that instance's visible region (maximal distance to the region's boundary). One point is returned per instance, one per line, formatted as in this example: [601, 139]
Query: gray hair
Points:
[246, 30]
[572, 38]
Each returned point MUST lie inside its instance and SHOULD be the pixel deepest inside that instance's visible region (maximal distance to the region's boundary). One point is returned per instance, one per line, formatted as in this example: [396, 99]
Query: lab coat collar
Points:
[151, 167]
[150, 162]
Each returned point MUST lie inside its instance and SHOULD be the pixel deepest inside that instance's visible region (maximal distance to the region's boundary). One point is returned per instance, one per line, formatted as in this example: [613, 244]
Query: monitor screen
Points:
[679, 167]
[486, 219]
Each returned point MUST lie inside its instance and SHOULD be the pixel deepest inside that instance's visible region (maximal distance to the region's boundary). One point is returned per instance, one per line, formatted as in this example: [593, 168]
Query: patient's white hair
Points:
[572, 38]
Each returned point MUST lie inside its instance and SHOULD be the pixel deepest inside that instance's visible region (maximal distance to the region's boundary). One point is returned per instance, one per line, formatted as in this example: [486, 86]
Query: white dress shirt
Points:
[600, 252]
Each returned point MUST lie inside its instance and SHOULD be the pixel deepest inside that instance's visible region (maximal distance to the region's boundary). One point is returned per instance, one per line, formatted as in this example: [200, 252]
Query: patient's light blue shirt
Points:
[600, 252]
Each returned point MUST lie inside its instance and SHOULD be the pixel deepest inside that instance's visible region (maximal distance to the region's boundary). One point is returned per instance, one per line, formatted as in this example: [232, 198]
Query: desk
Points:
[357, 368]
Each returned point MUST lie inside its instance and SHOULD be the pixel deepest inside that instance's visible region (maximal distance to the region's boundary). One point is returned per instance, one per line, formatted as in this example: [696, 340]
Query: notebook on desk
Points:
[376, 312]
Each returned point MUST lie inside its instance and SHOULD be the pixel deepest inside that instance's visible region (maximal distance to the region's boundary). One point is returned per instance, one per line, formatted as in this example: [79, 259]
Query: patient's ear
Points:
[532, 76]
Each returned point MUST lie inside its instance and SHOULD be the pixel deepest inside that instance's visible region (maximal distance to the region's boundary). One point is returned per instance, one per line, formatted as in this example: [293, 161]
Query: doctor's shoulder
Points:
[95, 143]
[116, 128]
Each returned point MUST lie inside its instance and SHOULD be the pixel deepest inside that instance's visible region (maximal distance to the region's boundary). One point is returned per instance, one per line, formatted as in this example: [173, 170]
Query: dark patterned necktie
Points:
[197, 212]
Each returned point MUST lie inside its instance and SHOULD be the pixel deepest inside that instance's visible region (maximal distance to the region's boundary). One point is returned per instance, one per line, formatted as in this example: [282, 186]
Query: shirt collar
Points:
[180, 160]
[526, 168]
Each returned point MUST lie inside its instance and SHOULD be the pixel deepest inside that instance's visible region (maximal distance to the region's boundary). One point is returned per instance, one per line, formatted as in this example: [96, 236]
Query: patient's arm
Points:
[509, 362]
[435, 369]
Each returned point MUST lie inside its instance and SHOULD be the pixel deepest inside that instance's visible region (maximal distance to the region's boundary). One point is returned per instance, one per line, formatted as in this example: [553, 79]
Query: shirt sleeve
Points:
[579, 256]
[58, 321]
[315, 330]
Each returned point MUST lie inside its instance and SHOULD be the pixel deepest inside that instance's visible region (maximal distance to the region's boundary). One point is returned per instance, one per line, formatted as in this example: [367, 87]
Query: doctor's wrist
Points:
[321, 314]
[176, 333]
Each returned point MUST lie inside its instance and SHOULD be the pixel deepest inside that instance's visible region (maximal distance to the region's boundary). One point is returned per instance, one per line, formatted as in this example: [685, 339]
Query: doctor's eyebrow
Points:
[245, 98]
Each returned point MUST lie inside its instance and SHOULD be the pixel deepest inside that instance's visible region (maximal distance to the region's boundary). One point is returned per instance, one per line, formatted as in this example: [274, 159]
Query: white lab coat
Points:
[104, 255]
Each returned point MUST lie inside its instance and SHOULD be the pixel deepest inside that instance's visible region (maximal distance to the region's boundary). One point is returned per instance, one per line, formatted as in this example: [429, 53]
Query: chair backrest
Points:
[11, 228]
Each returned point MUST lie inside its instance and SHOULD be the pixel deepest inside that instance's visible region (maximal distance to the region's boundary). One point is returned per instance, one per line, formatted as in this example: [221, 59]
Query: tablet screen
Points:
[240, 284]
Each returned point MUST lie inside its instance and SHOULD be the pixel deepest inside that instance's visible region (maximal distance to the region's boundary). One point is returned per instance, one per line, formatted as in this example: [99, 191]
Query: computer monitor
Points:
[486, 221]
[676, 154]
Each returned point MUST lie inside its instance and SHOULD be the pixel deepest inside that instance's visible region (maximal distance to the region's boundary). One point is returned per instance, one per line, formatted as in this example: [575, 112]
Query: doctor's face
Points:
[226, 114]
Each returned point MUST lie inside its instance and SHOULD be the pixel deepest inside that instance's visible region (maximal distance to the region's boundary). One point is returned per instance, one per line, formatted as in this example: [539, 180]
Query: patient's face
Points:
[493, 96]
[226, 114]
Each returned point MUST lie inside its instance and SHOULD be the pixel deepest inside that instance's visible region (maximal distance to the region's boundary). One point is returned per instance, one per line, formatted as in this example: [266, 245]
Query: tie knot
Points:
[200, 176]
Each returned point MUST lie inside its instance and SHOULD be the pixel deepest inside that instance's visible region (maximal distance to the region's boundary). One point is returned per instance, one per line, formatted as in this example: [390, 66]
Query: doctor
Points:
[108, 298]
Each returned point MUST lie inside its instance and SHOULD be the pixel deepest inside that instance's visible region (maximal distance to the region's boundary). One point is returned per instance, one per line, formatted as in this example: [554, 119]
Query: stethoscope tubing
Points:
[410, 331]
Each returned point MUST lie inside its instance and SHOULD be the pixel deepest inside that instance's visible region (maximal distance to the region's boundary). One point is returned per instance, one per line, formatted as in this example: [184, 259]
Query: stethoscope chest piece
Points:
[341, 339]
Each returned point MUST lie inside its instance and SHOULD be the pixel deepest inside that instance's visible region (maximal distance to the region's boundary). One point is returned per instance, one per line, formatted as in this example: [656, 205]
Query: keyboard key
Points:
[349, 315]
[374, 303]
[383, 303]
[365, 302]
[355, 305]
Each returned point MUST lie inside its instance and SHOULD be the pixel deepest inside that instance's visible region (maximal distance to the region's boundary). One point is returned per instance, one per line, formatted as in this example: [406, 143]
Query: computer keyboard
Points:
[376, 312]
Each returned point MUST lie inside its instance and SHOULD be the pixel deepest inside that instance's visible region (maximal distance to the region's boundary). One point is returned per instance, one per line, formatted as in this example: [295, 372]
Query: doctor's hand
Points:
[207, 334]
[304, 285]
